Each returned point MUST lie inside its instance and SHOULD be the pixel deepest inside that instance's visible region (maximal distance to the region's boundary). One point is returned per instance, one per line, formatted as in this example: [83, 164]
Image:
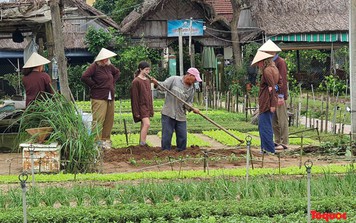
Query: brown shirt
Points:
[141, 99]
[35, 83]
[101, 80]
[282, 68]
[270, 78]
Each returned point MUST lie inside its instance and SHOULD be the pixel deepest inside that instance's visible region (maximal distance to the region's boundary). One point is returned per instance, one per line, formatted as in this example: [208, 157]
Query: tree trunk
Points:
[236, 51]
[59, 48]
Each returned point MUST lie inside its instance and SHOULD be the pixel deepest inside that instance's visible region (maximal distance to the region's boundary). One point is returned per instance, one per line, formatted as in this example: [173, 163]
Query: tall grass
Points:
[78, 150]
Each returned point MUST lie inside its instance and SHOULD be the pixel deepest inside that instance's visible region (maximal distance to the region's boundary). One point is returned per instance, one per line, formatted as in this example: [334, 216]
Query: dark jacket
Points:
[35, 83]
[141, 99]
[266, 99]
[101, 80]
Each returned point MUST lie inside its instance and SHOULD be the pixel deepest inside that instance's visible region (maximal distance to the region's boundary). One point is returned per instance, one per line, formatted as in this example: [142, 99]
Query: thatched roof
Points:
[29, 17]
[149, 7]
[300, 16]
[91, 11]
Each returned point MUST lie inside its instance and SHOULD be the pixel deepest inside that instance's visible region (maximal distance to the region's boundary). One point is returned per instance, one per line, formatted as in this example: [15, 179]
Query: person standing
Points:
[100, 77]
[280, 117]
[35, 80]
[174, 111]
[141, 100]
[267, 98]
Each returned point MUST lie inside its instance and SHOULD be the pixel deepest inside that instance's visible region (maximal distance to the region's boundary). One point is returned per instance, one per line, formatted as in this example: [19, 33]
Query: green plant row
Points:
[226, 139]
[186, 174]
[195, 123]
[120, 105]
[119, 140]
[155, 192]
[268, 210]
[192, 140]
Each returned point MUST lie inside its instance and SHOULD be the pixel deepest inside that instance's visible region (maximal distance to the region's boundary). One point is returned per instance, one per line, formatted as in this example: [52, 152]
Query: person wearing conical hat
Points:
[267, 98]
[35, 80]
[280, 117]
[101, 77]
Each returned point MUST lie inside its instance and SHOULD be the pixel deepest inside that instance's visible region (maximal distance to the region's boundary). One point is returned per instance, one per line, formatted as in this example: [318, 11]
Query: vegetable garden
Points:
[209, 182]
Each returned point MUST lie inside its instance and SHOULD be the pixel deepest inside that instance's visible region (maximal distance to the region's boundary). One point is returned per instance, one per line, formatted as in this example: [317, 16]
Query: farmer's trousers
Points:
[266, 132]
[103, 117]
[280, 124]
[168, 126]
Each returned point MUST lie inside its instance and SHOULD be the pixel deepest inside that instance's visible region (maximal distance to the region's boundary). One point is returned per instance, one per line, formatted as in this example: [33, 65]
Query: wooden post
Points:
[306, 113]
[59, 48]
[327, 112]
[50, 50]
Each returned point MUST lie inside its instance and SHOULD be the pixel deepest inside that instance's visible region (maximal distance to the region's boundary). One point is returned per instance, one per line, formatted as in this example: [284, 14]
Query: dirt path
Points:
[155, 141]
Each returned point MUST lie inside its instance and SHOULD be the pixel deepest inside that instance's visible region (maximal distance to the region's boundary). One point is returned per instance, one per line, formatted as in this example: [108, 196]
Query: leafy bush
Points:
[77, 142]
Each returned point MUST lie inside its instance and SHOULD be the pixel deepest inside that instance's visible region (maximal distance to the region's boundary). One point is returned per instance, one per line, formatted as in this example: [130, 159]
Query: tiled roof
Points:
[222, 7]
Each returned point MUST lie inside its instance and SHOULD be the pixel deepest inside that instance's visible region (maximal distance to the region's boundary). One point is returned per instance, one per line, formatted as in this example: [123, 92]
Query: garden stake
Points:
[306, 111]
[248, 141]
[279, 162]
[170, 162]
[9, 161]
[180, 166]
[206, 103]
[342, 128]
[308, 165]
[204, 116]
[263, 158]
[125, 129]
[301, 151]
[206, 165]
[32, 149]
[23, 178]
[336, 107]
[39, 165]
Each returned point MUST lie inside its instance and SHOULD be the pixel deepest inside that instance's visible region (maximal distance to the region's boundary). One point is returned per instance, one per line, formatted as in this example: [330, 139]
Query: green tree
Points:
[129, 55]
[117, 9]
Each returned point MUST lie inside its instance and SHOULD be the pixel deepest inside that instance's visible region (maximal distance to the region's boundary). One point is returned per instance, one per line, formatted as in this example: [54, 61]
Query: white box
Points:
[46, 158]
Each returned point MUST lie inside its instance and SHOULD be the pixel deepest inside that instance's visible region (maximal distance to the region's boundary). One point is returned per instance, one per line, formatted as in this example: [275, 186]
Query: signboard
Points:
[174, 26]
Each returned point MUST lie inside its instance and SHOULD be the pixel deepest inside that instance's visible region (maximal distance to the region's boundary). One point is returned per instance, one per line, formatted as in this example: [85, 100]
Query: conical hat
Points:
[104, 54]
[35, 60]
[260, 56]
[269, 46]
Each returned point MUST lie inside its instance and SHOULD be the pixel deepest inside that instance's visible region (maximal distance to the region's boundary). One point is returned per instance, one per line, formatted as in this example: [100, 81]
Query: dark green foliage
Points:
[117, 9]
[129, 55]
[271, 210]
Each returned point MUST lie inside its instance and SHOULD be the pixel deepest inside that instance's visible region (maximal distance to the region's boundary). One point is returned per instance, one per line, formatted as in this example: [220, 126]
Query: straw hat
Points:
[269, 46]
[104, 54]
[35, 60]
[260, 56]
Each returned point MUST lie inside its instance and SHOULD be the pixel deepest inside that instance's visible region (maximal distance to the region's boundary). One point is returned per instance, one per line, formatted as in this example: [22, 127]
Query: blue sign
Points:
[174, 26]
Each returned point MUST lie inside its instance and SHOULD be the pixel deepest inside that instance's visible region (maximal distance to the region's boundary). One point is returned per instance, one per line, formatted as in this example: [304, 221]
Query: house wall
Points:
[154, 27]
